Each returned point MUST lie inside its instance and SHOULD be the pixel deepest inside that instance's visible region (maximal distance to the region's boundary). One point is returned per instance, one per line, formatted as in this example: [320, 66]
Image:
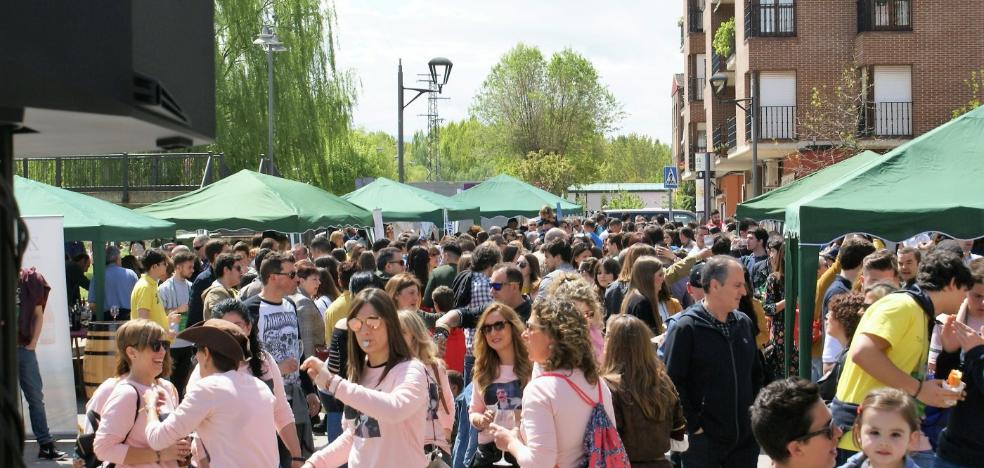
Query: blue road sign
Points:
[671, 177]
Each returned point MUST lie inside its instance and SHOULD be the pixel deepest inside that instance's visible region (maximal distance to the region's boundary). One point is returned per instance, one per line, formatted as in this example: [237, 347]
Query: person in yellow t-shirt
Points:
[891, 344]
[144, 301]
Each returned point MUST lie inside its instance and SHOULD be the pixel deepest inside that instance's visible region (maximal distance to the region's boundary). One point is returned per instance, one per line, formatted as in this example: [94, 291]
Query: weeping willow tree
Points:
[313, 98]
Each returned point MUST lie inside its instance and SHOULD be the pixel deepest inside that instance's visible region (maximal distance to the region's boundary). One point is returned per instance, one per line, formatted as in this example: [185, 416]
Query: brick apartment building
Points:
[911, 59]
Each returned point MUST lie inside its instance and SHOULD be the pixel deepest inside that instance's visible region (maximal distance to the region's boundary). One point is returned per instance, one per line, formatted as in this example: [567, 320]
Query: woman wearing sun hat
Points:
[221, 405]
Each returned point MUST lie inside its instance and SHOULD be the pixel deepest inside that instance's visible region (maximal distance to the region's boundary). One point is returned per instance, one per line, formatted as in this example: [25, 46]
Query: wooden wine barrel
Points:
[99, 362]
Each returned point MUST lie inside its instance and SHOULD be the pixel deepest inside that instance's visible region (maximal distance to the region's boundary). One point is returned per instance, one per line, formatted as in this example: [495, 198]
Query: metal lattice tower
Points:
[433, 129]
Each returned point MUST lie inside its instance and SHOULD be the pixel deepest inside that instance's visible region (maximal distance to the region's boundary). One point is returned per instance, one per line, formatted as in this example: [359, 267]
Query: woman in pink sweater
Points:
[230, 412]
[385, 395]
[502, 370]
[554, 416]
[440, 400]
[262, 365]
[141, 360]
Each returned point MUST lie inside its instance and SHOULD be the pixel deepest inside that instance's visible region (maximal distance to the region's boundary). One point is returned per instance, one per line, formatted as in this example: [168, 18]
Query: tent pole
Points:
[98, 294]
[789, 278]
[808, 260]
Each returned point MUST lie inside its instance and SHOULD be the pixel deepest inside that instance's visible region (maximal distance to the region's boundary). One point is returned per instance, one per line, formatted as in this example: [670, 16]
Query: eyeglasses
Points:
[290, 275]
[497, 326]
[395, 261]
[156, 346]
[522, 264]
[530, 325]
[355, 324]
[498, 286]
[827, 432]
[196, 247]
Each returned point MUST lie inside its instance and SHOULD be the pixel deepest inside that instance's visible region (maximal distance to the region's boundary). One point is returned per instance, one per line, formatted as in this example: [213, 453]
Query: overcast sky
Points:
[634, 45]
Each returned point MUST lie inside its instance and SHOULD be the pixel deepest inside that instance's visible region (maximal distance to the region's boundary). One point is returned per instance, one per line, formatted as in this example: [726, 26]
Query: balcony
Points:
[770, 18]
[695, 90]
[888, 119]
[695, 19]
[725, 136]
[884, 15]
[777, 123]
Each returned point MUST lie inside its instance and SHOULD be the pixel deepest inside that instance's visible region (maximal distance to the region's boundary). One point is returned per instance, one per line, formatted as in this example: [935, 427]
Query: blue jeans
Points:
[30, 382]
[469, 363]
[816, 369]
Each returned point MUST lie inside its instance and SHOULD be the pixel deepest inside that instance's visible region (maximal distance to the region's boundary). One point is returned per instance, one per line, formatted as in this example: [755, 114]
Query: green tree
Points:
[536, 105]
[314, 99]
[549, 171]
[685, 197]
[975, 86]
[625, 201]
[634, 158]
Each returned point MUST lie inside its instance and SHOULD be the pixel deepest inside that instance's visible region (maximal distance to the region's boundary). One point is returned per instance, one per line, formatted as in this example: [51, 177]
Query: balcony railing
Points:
[695, 91]
[715, 63]
[770, 18]
[125, 172]
[695, 19]
[732, 126]
[884, 15]
[777, 123]
[888, 119]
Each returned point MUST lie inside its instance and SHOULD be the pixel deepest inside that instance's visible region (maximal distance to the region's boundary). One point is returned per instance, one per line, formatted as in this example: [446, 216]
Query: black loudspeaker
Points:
[96, 76]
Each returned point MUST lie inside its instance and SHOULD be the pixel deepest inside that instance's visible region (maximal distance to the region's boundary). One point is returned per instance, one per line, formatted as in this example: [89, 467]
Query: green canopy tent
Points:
[402, 202]
[772, 204]
[506, 196]
[250, 200]
[88, 218]
[929, 183]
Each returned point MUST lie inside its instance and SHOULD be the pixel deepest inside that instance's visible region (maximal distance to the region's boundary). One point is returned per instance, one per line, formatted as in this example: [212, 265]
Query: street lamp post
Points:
[718, 82]
[269, 42]
[440, 70]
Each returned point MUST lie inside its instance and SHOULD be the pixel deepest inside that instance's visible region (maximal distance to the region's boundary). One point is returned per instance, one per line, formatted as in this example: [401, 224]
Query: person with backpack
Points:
[142, 361]
[568, 417]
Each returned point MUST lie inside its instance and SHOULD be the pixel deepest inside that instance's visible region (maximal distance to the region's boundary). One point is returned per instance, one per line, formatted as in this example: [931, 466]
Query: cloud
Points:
[634, 45]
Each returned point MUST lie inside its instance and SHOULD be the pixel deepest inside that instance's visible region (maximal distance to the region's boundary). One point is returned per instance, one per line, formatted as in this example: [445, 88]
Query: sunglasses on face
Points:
[290, 275]
[522, 265]
[497, 326]
[498, 286]
[156, 346]
[827, 432]
[355, 324]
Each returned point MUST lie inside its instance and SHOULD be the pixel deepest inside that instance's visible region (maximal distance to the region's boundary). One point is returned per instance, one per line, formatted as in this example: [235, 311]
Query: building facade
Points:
[903, 63]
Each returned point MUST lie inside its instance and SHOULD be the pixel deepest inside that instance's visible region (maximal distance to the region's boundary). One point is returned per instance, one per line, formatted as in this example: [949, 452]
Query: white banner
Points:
[378, 230]
[46, 253]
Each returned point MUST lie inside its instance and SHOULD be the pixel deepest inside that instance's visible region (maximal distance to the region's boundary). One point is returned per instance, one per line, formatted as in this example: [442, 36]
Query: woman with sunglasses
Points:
[440, 406]
[385, 394]
[142, 360]
[230, 412]
[556, 406]
[502, 370]
[262, 365]
[530, 266]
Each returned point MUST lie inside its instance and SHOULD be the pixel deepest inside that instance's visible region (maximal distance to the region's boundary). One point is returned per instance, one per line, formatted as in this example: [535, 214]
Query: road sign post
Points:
[671, 180]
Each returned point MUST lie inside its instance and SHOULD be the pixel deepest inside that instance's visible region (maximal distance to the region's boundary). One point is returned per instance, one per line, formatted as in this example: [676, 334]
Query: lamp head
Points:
[718, 82]
[440, 70]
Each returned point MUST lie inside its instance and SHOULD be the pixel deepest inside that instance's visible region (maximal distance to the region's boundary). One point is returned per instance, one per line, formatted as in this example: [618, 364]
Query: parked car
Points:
[682, 216]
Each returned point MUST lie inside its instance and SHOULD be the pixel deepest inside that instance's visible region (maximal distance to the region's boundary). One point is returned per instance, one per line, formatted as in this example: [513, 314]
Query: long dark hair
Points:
[418, 261]
[398, 349]
[255, 350]
[631, 366]
[747, 305]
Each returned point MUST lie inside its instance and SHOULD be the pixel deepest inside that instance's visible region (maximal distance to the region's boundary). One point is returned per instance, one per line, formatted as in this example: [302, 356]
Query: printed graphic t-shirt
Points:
[504, 393]
[278, 331]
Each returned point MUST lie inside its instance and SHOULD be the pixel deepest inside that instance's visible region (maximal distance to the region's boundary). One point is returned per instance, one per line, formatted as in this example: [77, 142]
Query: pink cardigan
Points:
[282, 414]
[112, 443]
[555, 418]
[384, 420]
[232, 415]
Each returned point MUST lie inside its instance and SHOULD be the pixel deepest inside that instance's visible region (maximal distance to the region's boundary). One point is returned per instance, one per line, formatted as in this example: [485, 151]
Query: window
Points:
[770, 18]
[884, 15]
[892, 100]
[777, 105]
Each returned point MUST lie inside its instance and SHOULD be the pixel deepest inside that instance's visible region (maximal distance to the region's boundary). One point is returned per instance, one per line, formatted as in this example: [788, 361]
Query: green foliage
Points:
[633, 158]
[549, 171]
[535, 105]
[724, 38]
[975, 85]
[685, 197]
[625, 201]
[313, 139]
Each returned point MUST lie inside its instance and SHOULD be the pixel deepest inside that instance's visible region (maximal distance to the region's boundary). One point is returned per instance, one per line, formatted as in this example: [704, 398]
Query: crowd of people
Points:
[559, 342]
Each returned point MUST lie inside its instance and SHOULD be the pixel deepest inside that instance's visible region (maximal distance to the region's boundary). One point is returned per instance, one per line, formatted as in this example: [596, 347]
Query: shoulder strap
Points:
[440, 390]
[136, 414]
[580, 393]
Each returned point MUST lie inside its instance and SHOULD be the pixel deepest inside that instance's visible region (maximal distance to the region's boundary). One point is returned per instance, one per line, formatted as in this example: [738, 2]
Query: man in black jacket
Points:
[712, 359]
